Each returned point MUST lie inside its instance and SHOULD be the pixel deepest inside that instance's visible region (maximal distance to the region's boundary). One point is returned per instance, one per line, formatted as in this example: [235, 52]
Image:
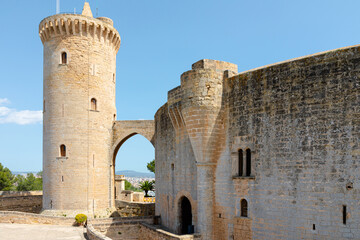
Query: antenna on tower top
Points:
[57, 6]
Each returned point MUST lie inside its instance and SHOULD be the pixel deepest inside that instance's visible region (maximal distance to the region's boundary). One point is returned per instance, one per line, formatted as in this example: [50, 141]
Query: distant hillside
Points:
[127, 173]
[130, 173]
[23, 173]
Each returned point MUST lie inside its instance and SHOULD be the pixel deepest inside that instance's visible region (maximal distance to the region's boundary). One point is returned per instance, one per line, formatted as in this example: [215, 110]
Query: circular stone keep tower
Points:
[79, 111]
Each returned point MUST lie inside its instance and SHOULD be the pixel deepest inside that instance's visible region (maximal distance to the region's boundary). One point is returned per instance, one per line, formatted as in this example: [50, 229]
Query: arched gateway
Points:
[185, 215]
[122, 131]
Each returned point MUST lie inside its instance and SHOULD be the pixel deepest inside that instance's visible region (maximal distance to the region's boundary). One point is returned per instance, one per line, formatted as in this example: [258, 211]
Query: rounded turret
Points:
[79, 110]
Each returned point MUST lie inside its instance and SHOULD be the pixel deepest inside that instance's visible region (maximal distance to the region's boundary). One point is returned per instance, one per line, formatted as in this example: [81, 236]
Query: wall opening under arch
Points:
[131, 157]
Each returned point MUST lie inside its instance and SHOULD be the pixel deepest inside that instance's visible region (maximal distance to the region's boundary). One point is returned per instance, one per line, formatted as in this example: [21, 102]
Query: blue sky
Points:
[160, 40]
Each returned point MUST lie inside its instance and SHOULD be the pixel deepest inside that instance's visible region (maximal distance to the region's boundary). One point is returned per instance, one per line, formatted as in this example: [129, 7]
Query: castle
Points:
[270, 153]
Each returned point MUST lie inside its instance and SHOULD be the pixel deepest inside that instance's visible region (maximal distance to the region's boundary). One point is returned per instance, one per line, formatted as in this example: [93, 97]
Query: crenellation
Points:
[74, 24]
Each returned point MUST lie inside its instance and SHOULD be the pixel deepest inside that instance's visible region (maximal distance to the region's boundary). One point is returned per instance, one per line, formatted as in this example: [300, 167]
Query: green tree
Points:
[129, 186]
[147, 186]
[28, 183]
[151, 166]
[6, 179]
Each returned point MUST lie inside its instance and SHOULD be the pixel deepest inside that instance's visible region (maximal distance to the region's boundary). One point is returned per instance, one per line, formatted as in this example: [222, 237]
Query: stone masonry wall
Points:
[301, 121]
[175, 172]
[21, 201]
[299, 118]
[134, 209]
[31, 218]
[136, 229]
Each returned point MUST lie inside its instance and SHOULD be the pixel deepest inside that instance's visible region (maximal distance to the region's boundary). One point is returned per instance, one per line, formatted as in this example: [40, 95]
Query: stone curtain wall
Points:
[21, 201]
[151, 232]
[31, 218]
[117, 228]
[134, 209]
[301, 120]
[135, 229]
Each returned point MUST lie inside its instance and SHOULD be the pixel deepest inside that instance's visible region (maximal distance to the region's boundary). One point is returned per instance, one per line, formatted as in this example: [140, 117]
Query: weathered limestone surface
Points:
[299, 118]
[79, 181]
[31, 218]
[21, 201]
[132, 229]
[134, 209]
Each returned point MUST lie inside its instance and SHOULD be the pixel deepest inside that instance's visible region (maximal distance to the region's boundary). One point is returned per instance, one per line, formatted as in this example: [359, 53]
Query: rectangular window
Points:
[344, 214]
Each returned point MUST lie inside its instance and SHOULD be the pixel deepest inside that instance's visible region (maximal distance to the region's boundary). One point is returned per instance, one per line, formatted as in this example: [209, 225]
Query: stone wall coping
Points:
[134, 202]
[95, 235]
[35, 215]
[299, 59]
[159, 229]
[20, 193]
[96, 221]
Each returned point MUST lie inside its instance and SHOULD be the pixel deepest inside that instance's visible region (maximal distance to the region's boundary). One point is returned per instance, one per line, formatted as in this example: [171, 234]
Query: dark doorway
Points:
[186, 216]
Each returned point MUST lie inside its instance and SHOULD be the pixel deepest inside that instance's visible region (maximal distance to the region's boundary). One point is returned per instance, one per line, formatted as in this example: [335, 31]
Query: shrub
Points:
[80, 218]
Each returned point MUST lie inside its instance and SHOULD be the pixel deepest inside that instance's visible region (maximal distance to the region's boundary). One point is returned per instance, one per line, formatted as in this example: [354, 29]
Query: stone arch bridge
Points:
[123, 130]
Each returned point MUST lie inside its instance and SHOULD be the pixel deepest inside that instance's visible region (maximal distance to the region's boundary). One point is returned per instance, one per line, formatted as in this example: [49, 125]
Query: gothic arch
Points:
[122, 131]
[179, 196]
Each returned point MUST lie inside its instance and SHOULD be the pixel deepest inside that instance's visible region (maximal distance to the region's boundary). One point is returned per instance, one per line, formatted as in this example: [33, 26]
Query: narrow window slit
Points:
[63, 58]
[62, 150]
[241, 162]
[93, 104]
[248, 162]
[244, 208]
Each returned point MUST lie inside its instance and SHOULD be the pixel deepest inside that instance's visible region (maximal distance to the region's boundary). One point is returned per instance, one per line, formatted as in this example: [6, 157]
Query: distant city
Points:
[133, 177]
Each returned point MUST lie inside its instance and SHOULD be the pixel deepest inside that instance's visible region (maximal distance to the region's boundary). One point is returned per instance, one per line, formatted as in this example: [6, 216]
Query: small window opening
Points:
[314, 227]
[63, 58]
[172, 166]
[62, 178]
[248, 162]
[241, 161]
[114, 117]
[114, 77]
[51, 204]
[244, 208]
[93, 104]
[344, 214]
[219, 215]
[62, 150]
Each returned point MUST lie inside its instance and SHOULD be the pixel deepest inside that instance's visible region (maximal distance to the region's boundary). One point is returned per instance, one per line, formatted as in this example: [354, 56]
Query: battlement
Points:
[215, 64]
[80, 25]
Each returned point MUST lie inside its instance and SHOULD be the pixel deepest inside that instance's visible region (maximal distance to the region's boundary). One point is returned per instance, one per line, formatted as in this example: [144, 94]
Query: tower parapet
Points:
[78, 24]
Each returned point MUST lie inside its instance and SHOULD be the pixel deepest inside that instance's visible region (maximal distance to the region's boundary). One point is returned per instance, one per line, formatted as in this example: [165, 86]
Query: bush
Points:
[80, 218]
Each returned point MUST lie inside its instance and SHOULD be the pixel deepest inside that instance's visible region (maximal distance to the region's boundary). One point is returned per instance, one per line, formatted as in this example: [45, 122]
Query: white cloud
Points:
[10, 115]
[4, 101]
